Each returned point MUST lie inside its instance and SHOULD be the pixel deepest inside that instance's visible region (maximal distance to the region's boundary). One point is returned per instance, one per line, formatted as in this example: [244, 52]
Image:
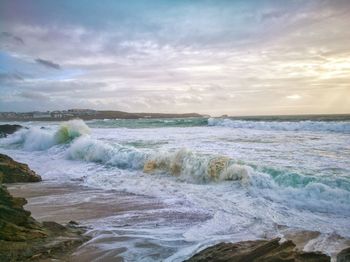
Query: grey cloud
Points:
[33, 96]
[272, 15]
[48, 63]
[5, 77]
[272, 52]
[12, 37]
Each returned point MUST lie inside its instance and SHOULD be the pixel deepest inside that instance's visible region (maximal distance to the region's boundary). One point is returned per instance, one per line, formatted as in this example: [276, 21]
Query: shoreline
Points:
[93, 209]
[68, 201]
[91, 206]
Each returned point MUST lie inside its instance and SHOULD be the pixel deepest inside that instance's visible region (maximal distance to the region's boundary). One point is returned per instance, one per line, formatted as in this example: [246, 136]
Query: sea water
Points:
[220, 179]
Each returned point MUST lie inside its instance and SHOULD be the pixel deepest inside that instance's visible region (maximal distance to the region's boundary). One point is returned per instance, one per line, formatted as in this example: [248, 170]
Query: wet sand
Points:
[119, 223]
[128, 227]
[65, 202]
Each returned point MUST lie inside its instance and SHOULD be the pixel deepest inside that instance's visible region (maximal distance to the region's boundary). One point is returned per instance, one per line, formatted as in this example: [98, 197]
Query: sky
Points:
[263, 57]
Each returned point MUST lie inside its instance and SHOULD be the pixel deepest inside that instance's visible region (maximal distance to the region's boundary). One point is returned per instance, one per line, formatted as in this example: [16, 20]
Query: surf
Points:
[308, 125]
[35, 138]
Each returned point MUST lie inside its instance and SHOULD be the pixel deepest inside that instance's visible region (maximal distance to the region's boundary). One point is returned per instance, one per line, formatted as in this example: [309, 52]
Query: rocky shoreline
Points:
[22, 238]
[8, 129]
[258, 250]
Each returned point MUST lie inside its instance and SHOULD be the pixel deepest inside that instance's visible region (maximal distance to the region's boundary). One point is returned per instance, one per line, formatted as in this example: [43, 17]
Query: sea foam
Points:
[318, 126]
[306, 191]
[36, 138]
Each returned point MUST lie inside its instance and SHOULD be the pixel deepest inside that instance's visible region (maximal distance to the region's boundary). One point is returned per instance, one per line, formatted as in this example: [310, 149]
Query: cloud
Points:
[34, 96]
[237, 57]
[48, 63]
[5, 77]
[12, 37]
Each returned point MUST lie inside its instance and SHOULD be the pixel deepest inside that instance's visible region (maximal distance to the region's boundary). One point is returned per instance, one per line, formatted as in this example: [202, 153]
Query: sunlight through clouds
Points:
[236, 56]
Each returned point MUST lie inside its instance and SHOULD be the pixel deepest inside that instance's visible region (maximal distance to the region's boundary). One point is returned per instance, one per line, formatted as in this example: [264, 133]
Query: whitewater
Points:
[225, 179]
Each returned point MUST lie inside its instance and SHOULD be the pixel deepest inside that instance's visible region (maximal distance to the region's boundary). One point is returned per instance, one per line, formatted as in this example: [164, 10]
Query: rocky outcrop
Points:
[22, 238]
[344, 255]
[8, 129]
[258, 251]
[12, 171]
[16, 224]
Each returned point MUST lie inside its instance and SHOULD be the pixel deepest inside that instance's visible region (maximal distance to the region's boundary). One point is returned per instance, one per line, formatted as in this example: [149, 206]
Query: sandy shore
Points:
[124, 226]
[118, 222]
[65, 202]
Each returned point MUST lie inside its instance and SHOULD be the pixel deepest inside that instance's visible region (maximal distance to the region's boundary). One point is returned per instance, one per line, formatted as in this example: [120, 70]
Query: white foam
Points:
[36, 138]
[323, 126]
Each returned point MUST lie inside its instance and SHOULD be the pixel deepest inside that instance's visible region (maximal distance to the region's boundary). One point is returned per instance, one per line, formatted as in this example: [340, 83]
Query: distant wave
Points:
[306, 125]
[316, 126]
[149, 123]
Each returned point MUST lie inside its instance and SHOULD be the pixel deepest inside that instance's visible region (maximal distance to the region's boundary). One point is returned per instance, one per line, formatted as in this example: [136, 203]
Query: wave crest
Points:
[70, 130]
[36, 138]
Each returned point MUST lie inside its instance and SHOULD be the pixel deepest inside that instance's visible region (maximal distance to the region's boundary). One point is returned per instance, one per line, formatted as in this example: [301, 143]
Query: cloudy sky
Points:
[215, 57]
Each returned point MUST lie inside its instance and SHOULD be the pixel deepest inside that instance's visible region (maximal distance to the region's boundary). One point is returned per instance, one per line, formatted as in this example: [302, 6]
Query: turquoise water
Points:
[149, 123]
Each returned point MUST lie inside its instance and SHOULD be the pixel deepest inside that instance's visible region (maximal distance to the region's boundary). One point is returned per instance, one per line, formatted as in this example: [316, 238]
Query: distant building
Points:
[56, 114]
[26, 115]
[42, 114]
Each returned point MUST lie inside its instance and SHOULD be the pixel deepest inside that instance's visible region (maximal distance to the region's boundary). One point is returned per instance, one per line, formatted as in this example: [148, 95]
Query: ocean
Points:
[216, 179]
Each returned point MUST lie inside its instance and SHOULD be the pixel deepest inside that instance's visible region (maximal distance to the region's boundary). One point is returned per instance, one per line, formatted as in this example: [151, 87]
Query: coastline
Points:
[92, 208]
[89, 206]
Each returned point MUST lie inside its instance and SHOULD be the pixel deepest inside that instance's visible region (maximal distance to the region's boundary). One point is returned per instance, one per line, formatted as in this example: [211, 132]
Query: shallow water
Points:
[216, 179]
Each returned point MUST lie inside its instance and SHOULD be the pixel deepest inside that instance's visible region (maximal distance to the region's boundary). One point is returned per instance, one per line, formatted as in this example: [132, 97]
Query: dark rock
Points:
[258, 251]
[22, 238]
[344, 255]
[16, 224]
[12, 171]
[8, 129]
[72, 222]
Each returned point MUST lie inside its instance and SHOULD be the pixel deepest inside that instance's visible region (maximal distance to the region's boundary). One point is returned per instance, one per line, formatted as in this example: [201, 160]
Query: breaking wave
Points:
[184, 164]
[318, 126]
[92, 150]
[36, 138]
[311, 192]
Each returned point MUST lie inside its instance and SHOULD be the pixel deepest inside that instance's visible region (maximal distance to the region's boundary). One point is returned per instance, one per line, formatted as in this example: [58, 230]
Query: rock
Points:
[23, 238]
[258, 251]
[72, 222]
[12, 171]
[16, 224]
[8, 129]
[344, 255]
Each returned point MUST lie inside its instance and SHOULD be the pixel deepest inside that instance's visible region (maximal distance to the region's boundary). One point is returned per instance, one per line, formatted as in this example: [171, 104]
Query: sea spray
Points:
[312, 126]
[70, 130]
[36, 138]
[196, 167]
[92, 150]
